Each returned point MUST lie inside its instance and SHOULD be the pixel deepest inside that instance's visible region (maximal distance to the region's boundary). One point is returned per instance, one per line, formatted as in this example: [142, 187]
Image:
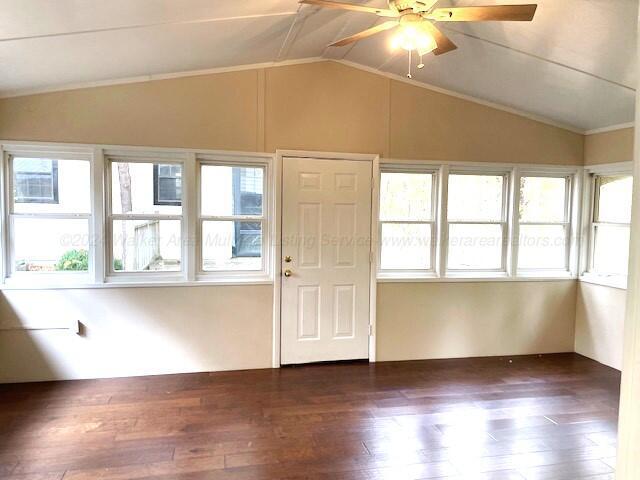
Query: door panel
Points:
[326, 225]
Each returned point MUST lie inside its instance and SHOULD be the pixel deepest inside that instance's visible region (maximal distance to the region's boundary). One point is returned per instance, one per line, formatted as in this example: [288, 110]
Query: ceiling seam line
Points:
[533, 55]
[284, 45]
[144, 25]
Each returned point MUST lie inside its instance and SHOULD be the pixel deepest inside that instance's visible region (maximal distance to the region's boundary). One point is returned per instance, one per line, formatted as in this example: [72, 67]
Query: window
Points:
[476, 221]
[610, 225]
[146, 235]
[49, 213]
[167, 184]
[231, 219]
[247, 200]
[35, 180]
[407, 221]
[544, 222]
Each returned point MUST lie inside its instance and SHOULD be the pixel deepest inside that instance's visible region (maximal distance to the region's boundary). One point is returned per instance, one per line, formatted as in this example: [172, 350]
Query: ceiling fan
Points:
[415, 22]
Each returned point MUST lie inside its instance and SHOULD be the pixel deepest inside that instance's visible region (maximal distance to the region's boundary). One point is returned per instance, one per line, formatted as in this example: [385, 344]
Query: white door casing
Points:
[326, 226]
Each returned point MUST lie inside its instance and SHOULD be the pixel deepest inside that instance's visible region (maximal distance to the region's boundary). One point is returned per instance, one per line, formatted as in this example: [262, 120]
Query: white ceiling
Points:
[574, 64]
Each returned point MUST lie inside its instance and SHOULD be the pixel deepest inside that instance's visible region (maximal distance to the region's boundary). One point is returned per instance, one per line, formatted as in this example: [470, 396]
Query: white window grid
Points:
[595, 222]
[503, 221]
[9, 259]
[262, 219]
[566, 223]
[433, 222]
[101, 265]
[111, 218]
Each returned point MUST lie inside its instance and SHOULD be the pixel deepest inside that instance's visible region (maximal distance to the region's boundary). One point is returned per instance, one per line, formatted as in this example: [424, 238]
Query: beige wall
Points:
[600, 323]
[428, 125]
[444, 320]
[134, 331]
[600, 310]
[212, 111]
[323, 106]
[609, 147]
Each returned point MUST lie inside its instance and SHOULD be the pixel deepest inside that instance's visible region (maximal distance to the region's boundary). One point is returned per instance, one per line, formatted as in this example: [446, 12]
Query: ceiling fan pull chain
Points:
[409, 72]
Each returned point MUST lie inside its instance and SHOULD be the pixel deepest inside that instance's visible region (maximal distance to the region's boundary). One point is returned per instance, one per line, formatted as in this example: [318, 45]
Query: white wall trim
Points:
[277, 269]
[612, 128]
[610, 168]
[86, 149]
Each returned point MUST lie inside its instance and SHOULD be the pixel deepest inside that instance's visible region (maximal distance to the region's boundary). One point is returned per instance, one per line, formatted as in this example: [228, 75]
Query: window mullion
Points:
[5, 188]
[408, 222]
[97, 231]
[513, 236]
[144, 216]
[232, 218]
[190, 213]
[443, 225]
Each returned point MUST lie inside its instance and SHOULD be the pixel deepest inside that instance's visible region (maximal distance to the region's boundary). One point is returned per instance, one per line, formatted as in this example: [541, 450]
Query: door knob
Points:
[287, 273]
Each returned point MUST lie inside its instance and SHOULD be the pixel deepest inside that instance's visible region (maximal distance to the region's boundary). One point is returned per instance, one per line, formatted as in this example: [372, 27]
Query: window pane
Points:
[406, 196]
[51, 186]
[51, 244]
[405, 246]
[168, 184]
[542, 246]
[133, 187]
[615, 193]
[611, 250]
[542, 199]
[231, 246]
[147, 245]
[475, 247]
[227, 191]
[475, 197]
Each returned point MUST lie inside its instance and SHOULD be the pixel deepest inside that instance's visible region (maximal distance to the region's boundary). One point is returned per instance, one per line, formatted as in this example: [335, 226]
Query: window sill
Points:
[408, 276]
[475, 279]
[222, 282]
[613, 281]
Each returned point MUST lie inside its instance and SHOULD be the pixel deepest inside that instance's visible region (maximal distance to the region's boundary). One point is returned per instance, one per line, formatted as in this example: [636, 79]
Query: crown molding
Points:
[612, 128]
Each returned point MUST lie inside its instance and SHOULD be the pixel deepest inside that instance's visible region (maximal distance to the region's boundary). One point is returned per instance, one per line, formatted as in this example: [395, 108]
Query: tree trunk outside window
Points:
[124, 178]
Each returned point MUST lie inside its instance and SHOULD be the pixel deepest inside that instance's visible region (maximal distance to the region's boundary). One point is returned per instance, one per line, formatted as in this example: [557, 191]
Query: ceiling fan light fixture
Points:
[411, 37]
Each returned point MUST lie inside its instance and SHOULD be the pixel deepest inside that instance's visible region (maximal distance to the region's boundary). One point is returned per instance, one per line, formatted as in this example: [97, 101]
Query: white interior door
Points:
[326, 228]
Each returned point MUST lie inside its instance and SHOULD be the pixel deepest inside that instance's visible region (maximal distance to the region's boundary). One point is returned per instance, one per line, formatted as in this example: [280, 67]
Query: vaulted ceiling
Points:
[574, 64]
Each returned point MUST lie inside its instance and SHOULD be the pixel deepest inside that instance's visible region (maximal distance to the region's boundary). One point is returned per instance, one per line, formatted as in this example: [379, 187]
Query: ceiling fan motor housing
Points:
[403, 5]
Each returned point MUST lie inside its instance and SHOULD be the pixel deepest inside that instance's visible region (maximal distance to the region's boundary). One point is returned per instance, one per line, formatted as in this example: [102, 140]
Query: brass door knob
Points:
[287, 273]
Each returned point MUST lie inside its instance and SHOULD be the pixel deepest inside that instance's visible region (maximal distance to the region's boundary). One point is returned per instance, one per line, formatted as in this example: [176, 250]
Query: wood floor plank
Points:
[550, 417]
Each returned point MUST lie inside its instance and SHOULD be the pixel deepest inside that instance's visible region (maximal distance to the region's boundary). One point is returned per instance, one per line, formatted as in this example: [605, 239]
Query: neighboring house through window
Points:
[36, 180]
[167, 184]
[247, 200]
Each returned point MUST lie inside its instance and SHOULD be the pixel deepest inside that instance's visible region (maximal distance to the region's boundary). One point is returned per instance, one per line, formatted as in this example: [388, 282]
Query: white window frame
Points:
[139, 157]
[503, 222]
[590, 176]
[264, 219]
[510, 229]
[567, 224]
[9, 275]
[417, 272]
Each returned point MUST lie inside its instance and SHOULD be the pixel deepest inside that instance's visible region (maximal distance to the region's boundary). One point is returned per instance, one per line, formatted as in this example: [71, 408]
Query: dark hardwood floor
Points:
[551, 417]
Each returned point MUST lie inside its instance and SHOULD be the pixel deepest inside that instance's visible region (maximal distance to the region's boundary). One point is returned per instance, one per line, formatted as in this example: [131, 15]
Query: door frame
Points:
[276, 228]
